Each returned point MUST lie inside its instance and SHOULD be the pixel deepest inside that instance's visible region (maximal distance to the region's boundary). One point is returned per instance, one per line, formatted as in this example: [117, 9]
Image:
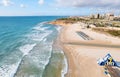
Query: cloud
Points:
[41, 2]
[22, 6]
[6, 3]
[90, 3]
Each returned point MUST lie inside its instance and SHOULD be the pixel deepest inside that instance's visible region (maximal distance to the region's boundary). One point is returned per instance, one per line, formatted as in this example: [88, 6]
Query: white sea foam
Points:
[40, 32]
[26, 48]
[41, 57]
[58, 28]
[40, 28]
[41, 24]
[45, 62]
[9, 70]
[44, 39]
[40, 37]
[65, 69]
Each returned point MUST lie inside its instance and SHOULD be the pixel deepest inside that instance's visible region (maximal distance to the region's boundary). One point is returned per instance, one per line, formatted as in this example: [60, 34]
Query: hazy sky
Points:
[57, 7]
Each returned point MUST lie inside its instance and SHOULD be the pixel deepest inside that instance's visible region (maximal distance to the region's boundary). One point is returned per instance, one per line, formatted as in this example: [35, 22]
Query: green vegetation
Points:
[114, 32]
[108, 31]
[73, 20]
[100, 25]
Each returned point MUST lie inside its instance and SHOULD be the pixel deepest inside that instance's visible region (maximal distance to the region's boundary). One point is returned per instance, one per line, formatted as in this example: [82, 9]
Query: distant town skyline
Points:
[57, 7]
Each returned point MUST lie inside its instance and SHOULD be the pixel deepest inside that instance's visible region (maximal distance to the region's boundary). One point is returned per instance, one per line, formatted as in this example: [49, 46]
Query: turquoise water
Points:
[26, 47]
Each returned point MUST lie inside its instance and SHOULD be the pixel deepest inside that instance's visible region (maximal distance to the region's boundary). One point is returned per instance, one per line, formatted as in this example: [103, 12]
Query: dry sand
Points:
[83, 54]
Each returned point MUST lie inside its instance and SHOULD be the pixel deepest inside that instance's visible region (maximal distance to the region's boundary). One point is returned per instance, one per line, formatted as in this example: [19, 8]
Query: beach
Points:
[83, 47]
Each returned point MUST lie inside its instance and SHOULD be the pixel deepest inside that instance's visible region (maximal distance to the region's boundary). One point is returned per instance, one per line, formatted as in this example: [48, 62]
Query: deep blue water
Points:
[26, 46]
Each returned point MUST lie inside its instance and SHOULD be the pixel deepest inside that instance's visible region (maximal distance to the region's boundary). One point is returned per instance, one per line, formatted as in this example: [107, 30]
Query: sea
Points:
[27, 47]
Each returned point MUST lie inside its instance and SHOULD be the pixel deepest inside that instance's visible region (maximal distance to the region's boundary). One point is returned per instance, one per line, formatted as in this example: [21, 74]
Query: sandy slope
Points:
[82, 59]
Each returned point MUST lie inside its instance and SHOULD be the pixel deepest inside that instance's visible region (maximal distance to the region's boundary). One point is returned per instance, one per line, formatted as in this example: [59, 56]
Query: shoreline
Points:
[57, 44]
[67, 55]
[82, 59]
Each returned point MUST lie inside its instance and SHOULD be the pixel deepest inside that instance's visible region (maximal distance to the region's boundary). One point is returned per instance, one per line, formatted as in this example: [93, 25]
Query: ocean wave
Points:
[5, 36]
[40, 28]
[45, 55]
[39, 32]
[58, 28]
[40, 37]
[5, 33]
[38, 58]
[26, 48]
[50, 54]
[9, 70]
[41, 24]
[65, 69]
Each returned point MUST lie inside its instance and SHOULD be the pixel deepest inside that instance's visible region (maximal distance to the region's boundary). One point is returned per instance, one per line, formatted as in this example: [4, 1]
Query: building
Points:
[96, 16]
[109, 16]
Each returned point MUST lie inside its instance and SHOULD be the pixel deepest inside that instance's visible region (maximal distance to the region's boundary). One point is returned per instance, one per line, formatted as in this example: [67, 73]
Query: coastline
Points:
[58, 44]
[70, 62]
[82, 59]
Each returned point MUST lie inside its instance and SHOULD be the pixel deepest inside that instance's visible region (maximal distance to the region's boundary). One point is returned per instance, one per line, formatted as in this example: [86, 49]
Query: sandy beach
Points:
[83, 52]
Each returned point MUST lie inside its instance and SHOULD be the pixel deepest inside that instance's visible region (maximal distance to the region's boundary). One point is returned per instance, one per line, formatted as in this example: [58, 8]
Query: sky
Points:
[57, 7]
